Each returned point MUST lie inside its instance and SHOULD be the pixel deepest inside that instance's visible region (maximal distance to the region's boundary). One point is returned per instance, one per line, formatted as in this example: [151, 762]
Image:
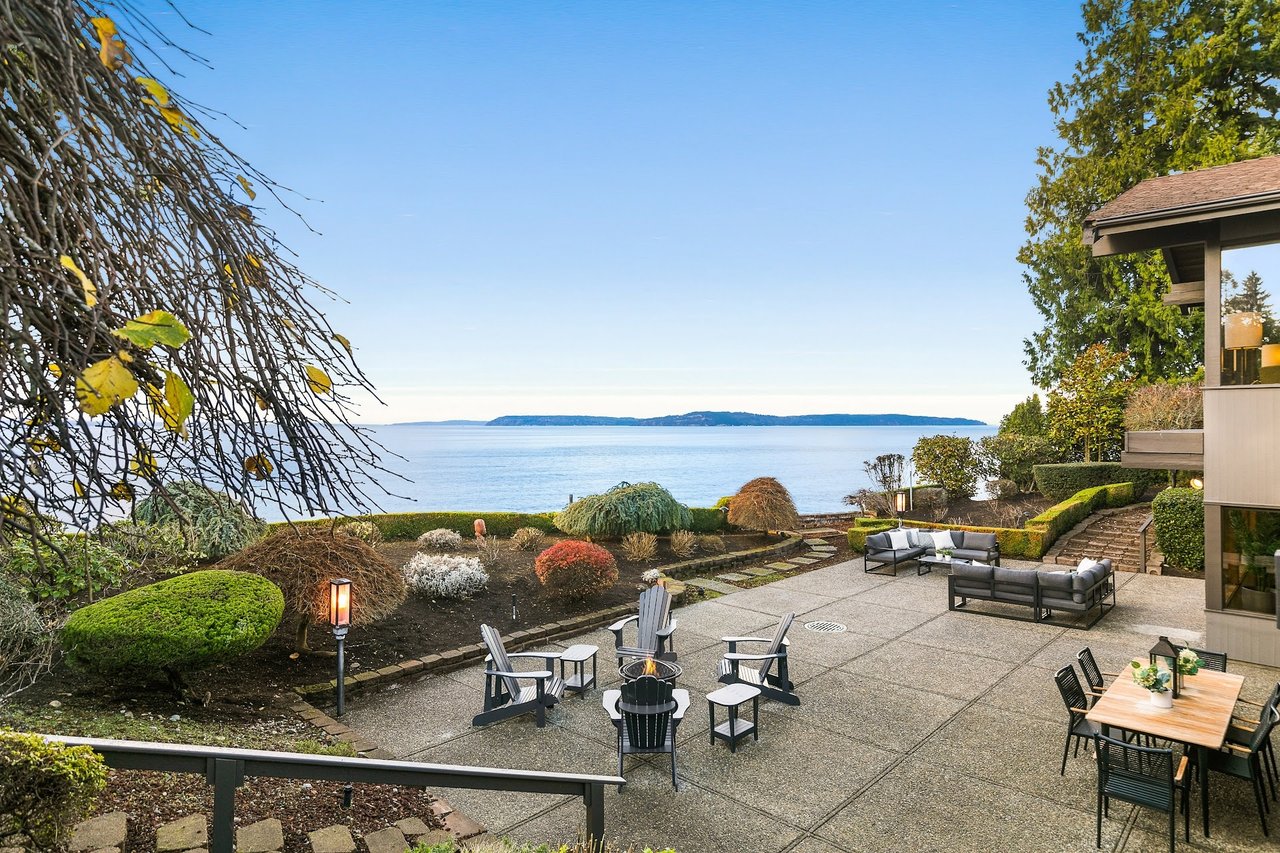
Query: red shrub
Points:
[574, 569]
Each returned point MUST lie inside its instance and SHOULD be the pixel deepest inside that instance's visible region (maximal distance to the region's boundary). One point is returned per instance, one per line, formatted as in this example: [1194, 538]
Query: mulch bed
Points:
[1007, 513]
[152, 799]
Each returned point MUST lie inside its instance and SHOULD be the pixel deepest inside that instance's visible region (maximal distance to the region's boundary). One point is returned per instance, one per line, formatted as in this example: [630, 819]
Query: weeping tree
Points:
[155, 330]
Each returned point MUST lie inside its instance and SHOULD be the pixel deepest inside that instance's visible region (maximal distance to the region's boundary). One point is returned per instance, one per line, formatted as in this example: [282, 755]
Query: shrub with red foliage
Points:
[574, 569]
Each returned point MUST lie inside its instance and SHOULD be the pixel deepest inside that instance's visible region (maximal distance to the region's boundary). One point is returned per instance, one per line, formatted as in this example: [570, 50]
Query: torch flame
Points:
[650, 668]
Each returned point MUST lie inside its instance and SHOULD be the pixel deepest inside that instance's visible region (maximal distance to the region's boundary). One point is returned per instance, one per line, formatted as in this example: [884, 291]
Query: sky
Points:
[647, 208]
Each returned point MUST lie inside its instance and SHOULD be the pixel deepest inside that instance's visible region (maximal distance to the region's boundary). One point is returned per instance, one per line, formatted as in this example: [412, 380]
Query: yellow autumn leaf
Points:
[103, 384]
[318, 380]
[78, 488]
[289, 324]
[143, 463]
[259, 467]
[158, 92]
[41, 443]
[342, 339]
[154, 327]
[55, 369]
[111, 51]
[90, 292]
[178, 121]
[122, 491]
[262, 404]
[174, 404]
[244, 213]
[247, 187]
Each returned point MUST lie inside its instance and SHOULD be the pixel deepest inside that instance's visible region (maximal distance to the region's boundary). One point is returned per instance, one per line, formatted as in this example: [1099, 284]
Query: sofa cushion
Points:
[913, 537]
[878, 542]
[1014, 581]
[966, 554]
[978, 575]
[1084, 581]
[1056, 586]
[940, 539]
[979, 541]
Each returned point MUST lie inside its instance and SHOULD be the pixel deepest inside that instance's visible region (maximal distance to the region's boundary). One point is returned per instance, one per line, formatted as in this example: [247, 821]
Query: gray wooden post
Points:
[594, 797]
[226, 777]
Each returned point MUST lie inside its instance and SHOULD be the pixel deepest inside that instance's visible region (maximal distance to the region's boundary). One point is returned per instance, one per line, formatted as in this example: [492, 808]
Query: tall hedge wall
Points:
[1062, 480]
[1061, 517]
[1019, 544]
[1179, 522]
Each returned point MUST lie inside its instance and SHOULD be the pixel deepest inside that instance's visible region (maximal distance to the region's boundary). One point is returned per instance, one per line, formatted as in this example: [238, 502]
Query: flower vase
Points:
[1163, 699]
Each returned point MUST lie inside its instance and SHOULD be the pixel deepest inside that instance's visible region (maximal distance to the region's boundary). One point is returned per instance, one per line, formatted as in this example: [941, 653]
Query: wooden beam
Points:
[1163, 461]
[1116, 242]
[1188, 294]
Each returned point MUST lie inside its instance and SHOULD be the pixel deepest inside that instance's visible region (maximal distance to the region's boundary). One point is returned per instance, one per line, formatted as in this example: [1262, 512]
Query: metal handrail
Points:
[225, 769]
[1146, 525]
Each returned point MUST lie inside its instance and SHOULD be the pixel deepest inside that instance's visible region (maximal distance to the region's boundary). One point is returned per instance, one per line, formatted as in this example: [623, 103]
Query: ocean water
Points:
[535, 469]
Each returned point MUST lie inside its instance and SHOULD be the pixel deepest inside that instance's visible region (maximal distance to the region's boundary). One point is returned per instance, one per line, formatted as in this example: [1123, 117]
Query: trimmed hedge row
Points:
[1179, 523]
[1061, 517]
[1029, 542]
[411, 525]
[1061, 481]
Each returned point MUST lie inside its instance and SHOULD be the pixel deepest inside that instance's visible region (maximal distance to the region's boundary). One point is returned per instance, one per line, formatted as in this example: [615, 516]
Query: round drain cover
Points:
[825, 627]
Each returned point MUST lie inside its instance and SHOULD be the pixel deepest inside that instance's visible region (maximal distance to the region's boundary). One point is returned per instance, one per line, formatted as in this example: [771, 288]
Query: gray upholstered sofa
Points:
[1079, 592]
[966, 545]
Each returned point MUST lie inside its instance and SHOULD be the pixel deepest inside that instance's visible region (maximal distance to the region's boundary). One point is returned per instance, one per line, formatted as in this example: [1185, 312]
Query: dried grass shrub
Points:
[684, 543]
[763, 504]
[365, 531]
[1171, 405]
[442, 539]
[528, 539]
[712, 543]
[489, 548]
[639, 546]
[302, 562]
[27, 641]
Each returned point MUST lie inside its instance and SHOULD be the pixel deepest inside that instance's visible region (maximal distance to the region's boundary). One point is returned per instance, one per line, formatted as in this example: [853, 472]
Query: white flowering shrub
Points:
[650, 576]
[445, 575]
[442, 539]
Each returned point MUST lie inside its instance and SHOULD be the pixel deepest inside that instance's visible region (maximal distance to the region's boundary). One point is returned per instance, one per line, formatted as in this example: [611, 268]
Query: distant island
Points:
[708, 419]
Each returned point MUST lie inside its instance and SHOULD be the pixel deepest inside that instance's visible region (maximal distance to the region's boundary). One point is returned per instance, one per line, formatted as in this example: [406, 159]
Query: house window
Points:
[1250, 539]
[1250, 326]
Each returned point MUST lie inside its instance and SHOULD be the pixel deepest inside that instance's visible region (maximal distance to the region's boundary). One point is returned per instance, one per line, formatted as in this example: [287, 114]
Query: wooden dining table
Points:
[1199, 718]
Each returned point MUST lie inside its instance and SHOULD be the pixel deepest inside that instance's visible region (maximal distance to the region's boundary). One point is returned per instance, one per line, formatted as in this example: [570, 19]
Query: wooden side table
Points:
[735, 729]
[578, 655]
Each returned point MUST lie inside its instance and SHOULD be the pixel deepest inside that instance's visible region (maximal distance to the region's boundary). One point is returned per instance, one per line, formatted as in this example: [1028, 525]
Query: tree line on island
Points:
[713, 419]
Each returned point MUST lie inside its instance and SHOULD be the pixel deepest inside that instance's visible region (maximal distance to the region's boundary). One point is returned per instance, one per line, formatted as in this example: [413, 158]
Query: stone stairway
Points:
[818, 550]
[1113, 533]
[108, 833]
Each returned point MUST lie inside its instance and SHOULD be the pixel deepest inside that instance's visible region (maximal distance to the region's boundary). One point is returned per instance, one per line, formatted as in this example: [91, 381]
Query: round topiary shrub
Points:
[185, 623]
[302, 562]
[626, 508]
[442, 539]
[763, 504]
[47, 788]
[1179, 521]
[574, 569]
[219, 524]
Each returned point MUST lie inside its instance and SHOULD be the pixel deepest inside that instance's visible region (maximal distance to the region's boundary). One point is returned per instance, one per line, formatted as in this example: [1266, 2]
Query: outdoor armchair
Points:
[770, 673]
[646, 713]
[654, 628]
[504, 695]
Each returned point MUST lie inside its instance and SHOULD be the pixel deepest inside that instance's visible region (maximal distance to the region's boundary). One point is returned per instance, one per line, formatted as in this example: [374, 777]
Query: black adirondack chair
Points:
[646, 713]
[503, 695]
[771, 675]
[1145, 777]
[654, 628]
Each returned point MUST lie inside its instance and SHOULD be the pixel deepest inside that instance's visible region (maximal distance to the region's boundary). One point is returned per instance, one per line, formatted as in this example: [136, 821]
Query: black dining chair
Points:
[1078, 728]
[1216, 661]
[1143, 776]
[1244, 761]
[1093, 674]
[1242, 729]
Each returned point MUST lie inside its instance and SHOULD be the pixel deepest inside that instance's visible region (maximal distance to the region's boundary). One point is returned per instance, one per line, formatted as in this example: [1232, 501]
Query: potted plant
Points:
[1258, 544]
[1155, 680]
[945, 553]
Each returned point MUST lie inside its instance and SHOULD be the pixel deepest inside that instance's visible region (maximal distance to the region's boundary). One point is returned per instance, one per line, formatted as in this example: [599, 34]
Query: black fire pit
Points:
[663, 670]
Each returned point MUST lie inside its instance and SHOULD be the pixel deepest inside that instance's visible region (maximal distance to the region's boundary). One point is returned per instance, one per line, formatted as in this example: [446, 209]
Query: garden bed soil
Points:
[1007, 513]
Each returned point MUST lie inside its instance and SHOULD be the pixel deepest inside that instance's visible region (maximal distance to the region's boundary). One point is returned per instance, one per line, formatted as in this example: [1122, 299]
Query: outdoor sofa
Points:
[1080, 591]
[965, 545]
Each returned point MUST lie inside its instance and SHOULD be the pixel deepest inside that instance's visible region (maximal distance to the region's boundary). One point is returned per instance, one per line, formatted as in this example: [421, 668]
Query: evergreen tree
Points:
[1027, 418]
[1249, 295]
[1164, 86]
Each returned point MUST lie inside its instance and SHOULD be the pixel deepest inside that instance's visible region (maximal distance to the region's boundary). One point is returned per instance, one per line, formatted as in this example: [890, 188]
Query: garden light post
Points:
[340, 621]
[900, 504]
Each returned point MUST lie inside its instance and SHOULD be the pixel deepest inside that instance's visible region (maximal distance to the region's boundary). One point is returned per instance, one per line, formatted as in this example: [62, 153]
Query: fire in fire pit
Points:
[663, 670]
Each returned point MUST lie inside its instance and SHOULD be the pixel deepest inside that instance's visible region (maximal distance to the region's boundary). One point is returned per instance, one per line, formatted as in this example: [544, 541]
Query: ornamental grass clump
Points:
[441, 539]
[26, 640]
[575, 570]
[528, 539]
[445, 575]
[683, 543]
[626, 508]
[302, 562]
[639, 546]
[365, 531]
[489, 548]
[712, 543]
[763, 504]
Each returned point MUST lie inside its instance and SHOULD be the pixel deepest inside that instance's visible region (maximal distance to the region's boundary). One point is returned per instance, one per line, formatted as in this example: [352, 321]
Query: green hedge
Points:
[1063, 480]
[411, 525]
[1061, 517]
[183, 623]
[1179, 524]
[706, 520]
[1019, 544]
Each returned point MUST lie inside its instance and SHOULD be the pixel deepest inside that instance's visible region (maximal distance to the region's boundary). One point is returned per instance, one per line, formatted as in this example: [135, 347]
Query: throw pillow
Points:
[898, 540]
[942, 539]
[1087, 563]
[913, 537]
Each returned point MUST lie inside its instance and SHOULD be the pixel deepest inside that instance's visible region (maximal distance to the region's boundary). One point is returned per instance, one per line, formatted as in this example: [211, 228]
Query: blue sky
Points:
[642, 208]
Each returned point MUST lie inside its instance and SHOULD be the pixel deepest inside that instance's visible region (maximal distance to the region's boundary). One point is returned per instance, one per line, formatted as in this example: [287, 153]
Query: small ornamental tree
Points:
[575, 570]
[302, 562]
[950, 461]
[1086, 407]
[763, 504]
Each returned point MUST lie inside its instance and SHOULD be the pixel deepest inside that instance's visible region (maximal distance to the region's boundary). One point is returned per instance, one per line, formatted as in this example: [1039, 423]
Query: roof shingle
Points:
[1202, 186]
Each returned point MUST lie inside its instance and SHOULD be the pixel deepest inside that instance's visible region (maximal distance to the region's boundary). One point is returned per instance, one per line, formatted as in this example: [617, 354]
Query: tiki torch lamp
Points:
[340, 621]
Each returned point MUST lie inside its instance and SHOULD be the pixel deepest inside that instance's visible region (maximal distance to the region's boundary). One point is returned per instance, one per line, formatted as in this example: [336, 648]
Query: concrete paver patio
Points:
[919, 729]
